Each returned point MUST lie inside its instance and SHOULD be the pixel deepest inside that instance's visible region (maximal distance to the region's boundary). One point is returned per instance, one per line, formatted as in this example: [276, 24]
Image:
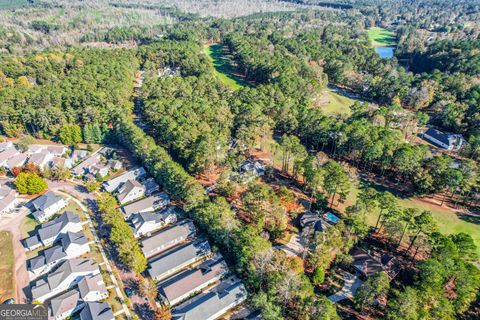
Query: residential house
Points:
[99, 169]
[96, 311]
[212, 304]
[148, 204]
[72, 245]
[8, 201]
[115, 164]
[447, 141]
[150, 186]
[57, 163]
[84, 166]
[47, 205]
[90, 289]
[255, 168]
[67, 275]
[17, 161]
[6, 155]
[145, 223]
[35, 148]
[183, 285]
[177, 259]
[78, 155]
[130, 191]
[62, 306]
[51, 231]
[57, 150]
[368, 264]
[168, 238]
[115, 183]
[41, 159]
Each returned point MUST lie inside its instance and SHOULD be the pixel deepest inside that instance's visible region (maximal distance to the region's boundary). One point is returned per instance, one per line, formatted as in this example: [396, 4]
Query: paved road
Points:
[97, 241]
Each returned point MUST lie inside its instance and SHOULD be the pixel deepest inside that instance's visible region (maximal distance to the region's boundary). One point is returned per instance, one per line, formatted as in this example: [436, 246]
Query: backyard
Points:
[331, 102]
[6, 266]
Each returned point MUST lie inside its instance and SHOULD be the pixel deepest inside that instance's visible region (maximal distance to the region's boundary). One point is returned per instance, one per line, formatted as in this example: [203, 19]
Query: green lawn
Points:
[448, 221]
[6, 266]
[223, 67]
[381, 37]
[331, 103]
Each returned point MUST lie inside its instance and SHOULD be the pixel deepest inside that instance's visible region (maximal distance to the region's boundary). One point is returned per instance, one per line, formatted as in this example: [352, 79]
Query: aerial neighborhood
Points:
[240, 159]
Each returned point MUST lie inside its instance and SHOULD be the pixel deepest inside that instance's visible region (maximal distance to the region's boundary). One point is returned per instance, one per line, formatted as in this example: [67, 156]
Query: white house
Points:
[115, 183]
[68, 274]
[148, 204]
[130, 191]
[90, 289]
[145, 223]
[6, 155]
[47, 205]
[51, 231]
[17, 161]
[73, 245]
[41, 159]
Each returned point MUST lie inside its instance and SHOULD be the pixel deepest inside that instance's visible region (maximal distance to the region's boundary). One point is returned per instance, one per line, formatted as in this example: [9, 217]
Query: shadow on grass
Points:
[222, 61]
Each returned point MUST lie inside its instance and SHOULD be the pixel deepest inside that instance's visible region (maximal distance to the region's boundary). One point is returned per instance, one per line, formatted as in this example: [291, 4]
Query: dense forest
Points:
[68, 68]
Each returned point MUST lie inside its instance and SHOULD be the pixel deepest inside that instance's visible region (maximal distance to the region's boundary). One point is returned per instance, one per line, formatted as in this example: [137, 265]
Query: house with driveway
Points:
[67, 275]
[72, 245]
[47, 205]
[51, 231]
[16, 161]
[213, 303]
[84, 166]
[177, 259]
[168, 238]
[8, 200]
[183, 285]
[6, 155]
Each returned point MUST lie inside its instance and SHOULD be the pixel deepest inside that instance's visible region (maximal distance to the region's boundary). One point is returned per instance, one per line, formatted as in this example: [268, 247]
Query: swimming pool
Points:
[330, 217]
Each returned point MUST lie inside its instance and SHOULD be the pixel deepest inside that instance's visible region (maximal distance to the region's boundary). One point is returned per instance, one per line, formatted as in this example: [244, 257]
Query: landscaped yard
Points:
[223, 67]
[380, 37]
[6, 266]
[28, 224]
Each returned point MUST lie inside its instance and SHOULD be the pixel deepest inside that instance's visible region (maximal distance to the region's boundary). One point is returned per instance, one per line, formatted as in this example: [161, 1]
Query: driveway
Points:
[295, 247]
[351, 284]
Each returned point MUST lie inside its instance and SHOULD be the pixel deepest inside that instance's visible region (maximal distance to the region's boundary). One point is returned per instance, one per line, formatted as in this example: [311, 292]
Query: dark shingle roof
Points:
[226, 295]
[96, 311]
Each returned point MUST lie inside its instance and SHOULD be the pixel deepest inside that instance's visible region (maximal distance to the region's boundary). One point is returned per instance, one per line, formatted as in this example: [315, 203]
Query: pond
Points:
[385, 52]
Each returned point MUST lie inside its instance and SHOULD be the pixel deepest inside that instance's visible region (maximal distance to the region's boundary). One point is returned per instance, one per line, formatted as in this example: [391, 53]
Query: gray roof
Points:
[204, 306]
[90, 161]
[64, 302]
[6, 201]
[125, 190]
[54, 279]
[178, 257]
[17, 160]
[168, 237]
[186, 282]
[96, 311]
[7, 154]
[37, 262]
[73, 237]
[90, 284]
[113, 184]
[31, 242]
[157, 200]
[46, 200]
[54, 253]
[150, 186]
[53, 228]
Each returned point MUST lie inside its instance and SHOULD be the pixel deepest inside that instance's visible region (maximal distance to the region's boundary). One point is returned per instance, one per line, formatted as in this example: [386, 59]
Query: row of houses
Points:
[38, 154]
[96, 166]
[62, 275]
[178, 259]
[8, 199]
